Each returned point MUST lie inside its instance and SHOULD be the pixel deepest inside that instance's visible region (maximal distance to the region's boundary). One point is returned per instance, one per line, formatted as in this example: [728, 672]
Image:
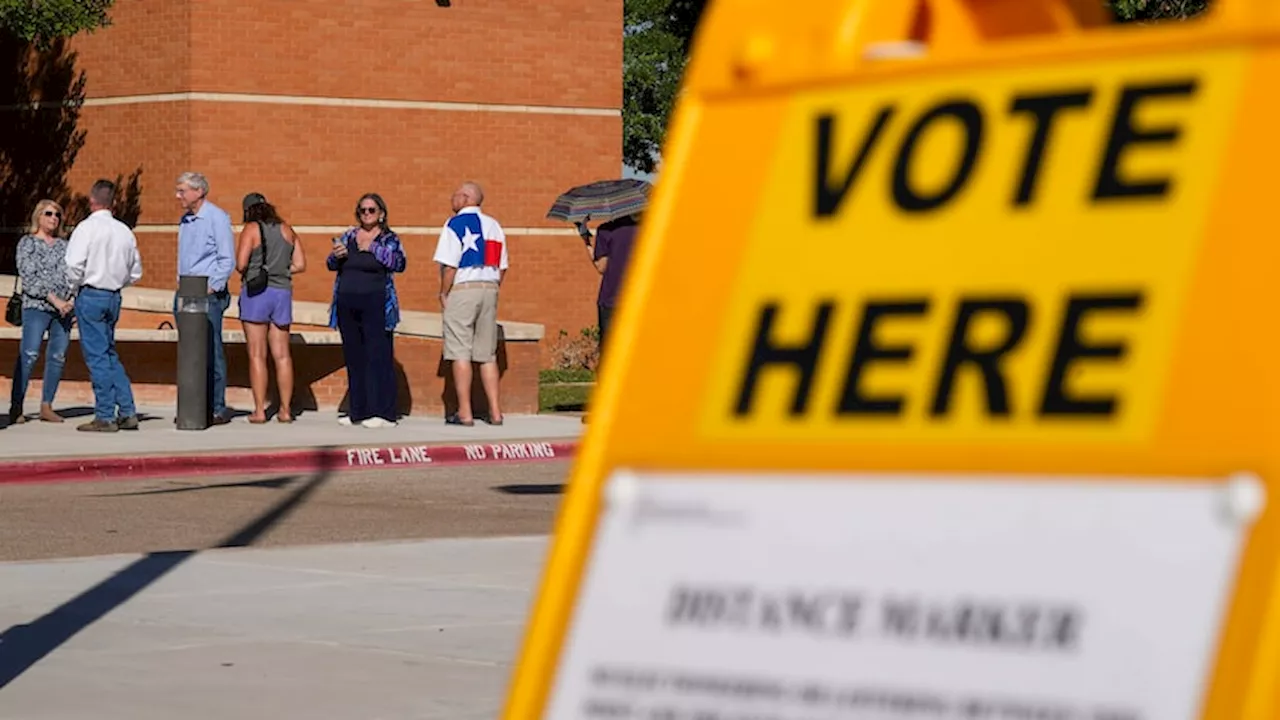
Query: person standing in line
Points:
[47, 305]
[610, 252]
[102, 259]
[267, 243]
[366, 311]
[472, 253]
[206, 246]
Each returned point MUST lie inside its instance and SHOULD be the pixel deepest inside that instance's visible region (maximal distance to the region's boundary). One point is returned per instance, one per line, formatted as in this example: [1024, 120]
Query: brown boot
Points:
[97, 425]
[48, 415]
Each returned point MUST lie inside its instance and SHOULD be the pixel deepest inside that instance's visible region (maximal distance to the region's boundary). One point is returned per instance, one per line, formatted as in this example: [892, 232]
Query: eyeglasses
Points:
[368, 211]
[52, 213]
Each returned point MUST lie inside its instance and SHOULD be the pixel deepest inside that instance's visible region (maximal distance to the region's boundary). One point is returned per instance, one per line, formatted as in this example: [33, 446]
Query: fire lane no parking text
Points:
[410, 455]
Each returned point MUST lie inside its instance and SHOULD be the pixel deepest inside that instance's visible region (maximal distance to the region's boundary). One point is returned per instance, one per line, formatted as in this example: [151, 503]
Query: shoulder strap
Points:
[262, 242]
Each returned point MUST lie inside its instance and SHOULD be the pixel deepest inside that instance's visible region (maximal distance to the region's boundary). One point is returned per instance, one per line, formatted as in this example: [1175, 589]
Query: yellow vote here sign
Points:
[944, 380]
[989, 255]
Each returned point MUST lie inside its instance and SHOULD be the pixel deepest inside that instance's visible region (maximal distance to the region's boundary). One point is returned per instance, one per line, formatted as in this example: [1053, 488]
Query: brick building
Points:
[314, 103]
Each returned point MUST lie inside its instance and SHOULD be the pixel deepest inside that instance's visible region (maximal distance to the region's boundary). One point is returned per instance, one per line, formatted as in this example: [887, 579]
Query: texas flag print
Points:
[476, 250]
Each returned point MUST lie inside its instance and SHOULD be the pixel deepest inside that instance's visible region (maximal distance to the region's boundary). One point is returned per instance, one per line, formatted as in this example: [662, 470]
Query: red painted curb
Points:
[365, 457]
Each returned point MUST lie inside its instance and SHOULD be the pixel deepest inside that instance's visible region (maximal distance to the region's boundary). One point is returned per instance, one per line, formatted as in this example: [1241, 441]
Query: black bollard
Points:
[193, 353]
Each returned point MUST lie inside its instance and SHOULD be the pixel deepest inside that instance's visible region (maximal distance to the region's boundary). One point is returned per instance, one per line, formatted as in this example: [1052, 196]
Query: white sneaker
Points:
[377, 422]
[344, 421]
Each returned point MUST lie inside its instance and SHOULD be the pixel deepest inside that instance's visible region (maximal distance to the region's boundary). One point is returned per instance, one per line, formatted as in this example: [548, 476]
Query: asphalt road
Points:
[97, 518]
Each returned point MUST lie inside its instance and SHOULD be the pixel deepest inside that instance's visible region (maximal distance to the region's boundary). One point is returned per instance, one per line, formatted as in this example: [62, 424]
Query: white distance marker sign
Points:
[720, 597]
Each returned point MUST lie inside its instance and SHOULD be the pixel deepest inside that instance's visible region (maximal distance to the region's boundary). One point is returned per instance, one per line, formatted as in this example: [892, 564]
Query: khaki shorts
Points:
[471, 323]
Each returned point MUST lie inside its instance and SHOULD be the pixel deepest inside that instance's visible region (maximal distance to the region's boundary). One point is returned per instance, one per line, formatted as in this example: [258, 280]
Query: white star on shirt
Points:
[469, 241]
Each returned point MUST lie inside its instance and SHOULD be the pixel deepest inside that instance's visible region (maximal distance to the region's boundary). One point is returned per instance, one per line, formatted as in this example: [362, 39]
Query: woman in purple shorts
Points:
[266, 315]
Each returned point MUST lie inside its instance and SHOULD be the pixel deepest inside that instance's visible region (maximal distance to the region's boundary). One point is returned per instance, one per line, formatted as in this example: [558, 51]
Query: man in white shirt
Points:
[102, 259]
[472, 253]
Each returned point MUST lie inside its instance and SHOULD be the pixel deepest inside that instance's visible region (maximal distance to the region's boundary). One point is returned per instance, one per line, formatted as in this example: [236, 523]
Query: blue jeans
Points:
[97, 312]
[34, 325]
[218, 304]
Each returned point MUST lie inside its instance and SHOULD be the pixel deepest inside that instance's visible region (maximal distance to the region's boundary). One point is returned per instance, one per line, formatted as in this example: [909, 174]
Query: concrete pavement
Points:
[204, 615]
[53, 520]
[425, 630]
[312, 429]
[41, 452]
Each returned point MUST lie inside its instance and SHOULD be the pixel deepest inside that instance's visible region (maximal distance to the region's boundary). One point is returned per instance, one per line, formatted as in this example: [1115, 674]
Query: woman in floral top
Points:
[46, 308]
[365, 310]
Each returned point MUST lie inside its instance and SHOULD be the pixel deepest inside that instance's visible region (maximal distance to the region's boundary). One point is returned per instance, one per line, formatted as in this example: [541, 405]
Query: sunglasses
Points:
[368, 211]
[52, 213]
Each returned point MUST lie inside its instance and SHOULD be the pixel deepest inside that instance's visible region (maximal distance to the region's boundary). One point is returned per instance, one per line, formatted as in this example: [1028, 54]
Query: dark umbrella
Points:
[601, 201]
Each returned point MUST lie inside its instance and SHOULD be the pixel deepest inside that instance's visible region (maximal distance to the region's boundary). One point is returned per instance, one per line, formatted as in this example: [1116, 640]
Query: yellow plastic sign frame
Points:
[1149, 348]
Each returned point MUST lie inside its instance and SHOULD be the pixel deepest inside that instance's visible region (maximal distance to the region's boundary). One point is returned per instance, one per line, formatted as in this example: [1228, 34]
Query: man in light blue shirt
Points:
[206, 246]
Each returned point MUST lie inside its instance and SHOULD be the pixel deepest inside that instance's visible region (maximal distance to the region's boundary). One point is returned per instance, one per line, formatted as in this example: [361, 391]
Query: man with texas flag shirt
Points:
[472, 253]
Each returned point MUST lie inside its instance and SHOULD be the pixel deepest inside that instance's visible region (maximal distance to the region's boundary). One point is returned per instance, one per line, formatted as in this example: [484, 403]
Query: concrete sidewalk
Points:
[158, 434]
[426, 630]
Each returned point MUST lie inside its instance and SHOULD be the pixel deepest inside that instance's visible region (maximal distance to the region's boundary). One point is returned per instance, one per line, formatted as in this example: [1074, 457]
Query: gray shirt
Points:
[279, 257]
[43, 269]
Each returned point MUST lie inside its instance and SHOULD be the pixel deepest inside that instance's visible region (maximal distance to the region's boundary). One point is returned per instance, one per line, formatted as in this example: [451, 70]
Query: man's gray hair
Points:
[475, 191]
[195, 181]
[103, 193]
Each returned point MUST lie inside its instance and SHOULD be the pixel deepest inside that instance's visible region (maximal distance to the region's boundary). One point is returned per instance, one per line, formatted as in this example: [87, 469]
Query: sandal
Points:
[255, 421]
[455, 420]
[284, 418]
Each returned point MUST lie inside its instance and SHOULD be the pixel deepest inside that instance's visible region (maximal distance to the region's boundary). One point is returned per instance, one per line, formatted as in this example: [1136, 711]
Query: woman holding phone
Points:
[365, 310]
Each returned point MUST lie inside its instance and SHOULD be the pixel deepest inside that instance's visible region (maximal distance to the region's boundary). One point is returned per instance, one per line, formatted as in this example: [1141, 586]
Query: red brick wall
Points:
[556, 283]
[315, 161]
[549, 52]
[145, 50]
[152, 139]
[562, 52]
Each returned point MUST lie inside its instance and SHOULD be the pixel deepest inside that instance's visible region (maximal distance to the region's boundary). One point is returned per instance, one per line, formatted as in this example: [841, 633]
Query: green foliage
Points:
[1148, 10]
[656, 39]
[555, 377]
[569, 389]
[41, 21]
[563, 398]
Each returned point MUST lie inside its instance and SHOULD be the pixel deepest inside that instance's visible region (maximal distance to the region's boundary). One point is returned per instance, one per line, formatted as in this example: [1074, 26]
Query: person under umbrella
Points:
[610, 251]
[617, 204]
[601, 201]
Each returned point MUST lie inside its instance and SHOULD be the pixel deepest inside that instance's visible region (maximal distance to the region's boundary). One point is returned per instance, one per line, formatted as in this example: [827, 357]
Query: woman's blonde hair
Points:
[35, 216]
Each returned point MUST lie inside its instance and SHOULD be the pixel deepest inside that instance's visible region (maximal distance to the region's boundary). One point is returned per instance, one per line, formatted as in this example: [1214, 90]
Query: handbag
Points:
[13, 310]
[256, 284]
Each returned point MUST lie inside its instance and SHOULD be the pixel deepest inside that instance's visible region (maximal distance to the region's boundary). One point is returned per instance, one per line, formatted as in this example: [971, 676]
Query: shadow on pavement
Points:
[279, 483]
[22, 646]
[552, 489]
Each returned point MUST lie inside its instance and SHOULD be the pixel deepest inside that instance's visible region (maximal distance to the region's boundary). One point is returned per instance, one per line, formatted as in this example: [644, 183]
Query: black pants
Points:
[604, 314]
[368, 353]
